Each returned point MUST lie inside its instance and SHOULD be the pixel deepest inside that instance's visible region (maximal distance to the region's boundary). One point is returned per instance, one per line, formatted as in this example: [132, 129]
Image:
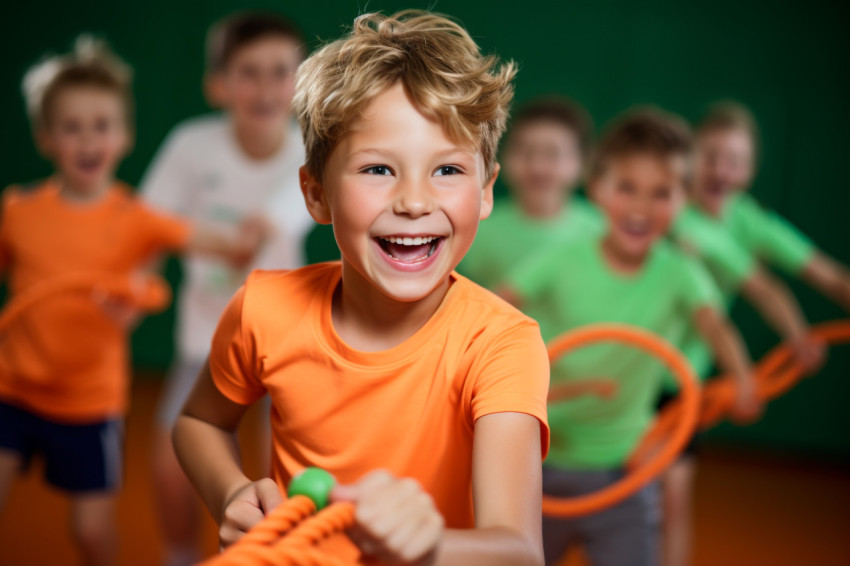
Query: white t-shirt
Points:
[201, 173]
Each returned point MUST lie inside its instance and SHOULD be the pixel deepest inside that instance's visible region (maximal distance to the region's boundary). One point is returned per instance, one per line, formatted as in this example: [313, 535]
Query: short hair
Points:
[440, 66]
[90, 64]
[642, 130]
[730, 115]
[558, 110]
[230, 34]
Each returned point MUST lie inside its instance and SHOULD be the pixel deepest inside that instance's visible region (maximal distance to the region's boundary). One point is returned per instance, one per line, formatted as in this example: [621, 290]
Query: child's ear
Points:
[214, 90]
[314, 196]
[487, 195]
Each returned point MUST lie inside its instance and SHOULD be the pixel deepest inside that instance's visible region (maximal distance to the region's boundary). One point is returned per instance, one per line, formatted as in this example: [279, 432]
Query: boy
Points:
[733, 237]
[543, 158]
[629, 274]
[726, 148]
[217, 171]
[63, 366]
[388, 359]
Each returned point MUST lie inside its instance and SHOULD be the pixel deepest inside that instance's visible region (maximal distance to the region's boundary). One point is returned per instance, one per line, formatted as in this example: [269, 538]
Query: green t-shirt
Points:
[576, 285]
[508, 236]
[731, 247]
[766, 235]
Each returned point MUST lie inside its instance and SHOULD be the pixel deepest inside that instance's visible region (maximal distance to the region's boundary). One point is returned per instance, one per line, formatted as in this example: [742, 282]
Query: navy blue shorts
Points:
[77, 458]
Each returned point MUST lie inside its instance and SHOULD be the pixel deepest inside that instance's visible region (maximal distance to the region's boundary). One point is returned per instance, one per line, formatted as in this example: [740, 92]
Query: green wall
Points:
[787, 60]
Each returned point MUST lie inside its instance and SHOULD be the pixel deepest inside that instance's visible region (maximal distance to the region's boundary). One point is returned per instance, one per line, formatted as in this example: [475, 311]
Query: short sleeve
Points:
[167, 181]
[232, 355]
[511, 374]
[530, 277]
[162, 231]
[783, 245]
[698, 287]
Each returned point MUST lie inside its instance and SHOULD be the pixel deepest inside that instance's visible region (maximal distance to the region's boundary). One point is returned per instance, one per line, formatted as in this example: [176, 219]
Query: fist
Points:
[245, 508]
[748, 407]
[810, 353]
[395, 520]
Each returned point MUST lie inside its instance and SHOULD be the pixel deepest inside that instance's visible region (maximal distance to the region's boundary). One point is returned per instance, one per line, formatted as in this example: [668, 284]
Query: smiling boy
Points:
[630, 275]
[388, 359]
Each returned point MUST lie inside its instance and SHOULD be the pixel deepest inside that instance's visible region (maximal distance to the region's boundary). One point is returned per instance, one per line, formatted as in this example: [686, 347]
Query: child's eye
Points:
[378, 170]
[447, 170]
[102, 125]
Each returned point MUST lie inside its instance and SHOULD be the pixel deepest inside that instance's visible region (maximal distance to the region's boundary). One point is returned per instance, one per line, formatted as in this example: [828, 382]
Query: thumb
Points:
[268, 495]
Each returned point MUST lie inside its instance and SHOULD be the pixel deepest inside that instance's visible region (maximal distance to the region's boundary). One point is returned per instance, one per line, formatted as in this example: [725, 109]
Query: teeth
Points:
[417, 241]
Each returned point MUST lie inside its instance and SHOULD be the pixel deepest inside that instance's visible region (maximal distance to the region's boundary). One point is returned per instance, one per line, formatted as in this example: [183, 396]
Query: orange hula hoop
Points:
[148, 292]
[680, 433]
[775, 374]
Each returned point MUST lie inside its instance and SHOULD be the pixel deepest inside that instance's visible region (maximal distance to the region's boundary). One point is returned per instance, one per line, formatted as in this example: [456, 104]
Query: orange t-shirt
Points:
[65, 358]
[409, 409]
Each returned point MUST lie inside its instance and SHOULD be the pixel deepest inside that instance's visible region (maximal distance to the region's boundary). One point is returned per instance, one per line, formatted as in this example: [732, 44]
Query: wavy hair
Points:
[440, 66]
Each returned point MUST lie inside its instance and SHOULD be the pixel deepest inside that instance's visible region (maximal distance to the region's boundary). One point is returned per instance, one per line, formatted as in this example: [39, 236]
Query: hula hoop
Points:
[661, 458]
[775, 375]
[148, 292]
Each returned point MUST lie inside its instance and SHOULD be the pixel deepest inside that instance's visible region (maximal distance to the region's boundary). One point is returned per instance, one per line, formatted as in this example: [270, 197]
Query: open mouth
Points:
[89, 164]
[636, 229]
[409, 249]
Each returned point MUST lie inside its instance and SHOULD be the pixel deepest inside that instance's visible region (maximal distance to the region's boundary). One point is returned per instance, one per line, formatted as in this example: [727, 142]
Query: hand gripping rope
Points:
[775, 374]
[291, 535]
[680, 427]
[148, 292]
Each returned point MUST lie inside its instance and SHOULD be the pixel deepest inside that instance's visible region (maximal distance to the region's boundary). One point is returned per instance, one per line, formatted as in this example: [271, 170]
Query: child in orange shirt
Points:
[63, 376]
[387, 359]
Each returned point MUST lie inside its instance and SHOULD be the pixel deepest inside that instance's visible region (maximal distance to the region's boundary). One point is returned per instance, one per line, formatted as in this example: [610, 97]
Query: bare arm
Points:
[778, 307]
[829, 278]
[731, 355]
[506, 489]
[239, 249]
[206, 445]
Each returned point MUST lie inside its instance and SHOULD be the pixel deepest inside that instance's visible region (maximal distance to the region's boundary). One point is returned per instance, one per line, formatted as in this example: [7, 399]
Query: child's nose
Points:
[413, 198]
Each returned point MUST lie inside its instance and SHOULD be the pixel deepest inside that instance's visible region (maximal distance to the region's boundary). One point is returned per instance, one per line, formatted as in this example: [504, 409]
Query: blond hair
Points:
[731, 115]
[440, 66]
[89, 64]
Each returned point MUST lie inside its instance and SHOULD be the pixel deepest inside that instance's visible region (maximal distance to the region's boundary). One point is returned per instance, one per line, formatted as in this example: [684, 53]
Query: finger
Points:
[268, 494]
[367, 485]
[242, 515]
[423, 541]
[399, 540]
[399, 504]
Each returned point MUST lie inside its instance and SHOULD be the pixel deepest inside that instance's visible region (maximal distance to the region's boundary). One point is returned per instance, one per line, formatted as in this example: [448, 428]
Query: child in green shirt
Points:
[628, 274]
[726, 147]
[542, 163]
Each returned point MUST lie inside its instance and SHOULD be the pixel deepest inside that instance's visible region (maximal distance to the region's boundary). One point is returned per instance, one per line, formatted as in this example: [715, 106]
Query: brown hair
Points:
[642, 130]
[436, 60]
[230, 34]
[558, 110]
[730, 115]
[90, 64]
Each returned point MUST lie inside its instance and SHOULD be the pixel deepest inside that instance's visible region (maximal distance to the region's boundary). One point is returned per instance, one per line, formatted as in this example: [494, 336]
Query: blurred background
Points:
[788, 61]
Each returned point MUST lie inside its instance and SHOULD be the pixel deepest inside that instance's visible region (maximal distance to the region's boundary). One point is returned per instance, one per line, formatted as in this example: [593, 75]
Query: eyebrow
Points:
[390, 153]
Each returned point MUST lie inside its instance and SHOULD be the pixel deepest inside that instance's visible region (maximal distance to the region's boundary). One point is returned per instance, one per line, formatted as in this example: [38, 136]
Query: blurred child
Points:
[629, 274]
[63, 367]
[734, 238]
[217, 171]
[388, 359]
[726, 151]
[543, 160]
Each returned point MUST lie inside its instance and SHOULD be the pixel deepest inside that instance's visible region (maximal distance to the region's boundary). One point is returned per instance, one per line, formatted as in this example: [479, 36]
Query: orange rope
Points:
[148, 292]
[289, 536]
[775, 374]
[680, 431]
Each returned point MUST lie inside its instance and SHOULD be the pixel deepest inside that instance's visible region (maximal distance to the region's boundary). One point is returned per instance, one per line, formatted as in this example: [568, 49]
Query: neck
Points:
[80, 192]
[545, 210]
[260, 145]
[619, 260]
[709, 207]
[368, 320]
